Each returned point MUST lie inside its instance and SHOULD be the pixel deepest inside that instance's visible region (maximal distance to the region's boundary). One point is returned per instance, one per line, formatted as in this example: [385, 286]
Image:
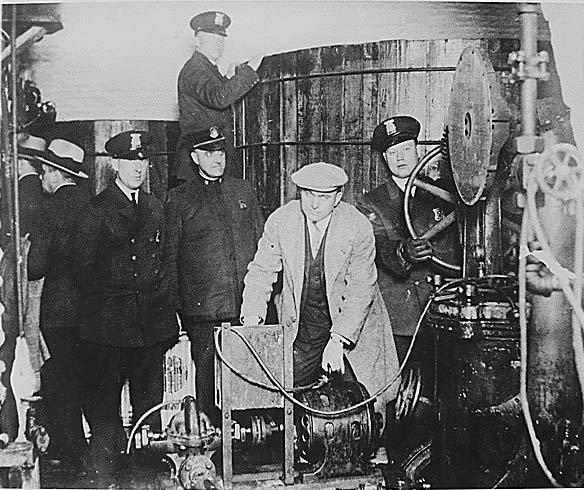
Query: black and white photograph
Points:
[321, 245]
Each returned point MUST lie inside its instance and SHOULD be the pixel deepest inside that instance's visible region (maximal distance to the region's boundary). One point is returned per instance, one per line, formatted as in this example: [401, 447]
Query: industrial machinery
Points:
[263, 440]
[507, 404]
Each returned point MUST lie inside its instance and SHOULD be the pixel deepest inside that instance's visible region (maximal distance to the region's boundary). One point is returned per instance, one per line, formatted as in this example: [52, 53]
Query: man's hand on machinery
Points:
[251, 321]
[416, 250]
[333, 355]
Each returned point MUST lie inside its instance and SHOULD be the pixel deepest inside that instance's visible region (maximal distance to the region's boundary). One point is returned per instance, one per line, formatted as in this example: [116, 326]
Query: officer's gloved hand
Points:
[416, 250]
[332, 356]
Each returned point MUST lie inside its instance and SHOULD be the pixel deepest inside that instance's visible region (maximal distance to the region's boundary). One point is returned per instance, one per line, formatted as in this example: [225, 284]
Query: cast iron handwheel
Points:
[447, 221]
[560, 171]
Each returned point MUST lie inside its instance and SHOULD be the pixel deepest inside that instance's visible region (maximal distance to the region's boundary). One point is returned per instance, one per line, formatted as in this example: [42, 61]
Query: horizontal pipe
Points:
[370, 71]
[319, 143]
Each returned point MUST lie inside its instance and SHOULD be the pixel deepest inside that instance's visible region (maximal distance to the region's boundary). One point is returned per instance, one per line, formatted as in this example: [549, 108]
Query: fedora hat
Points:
[65, 156]
[30, 147]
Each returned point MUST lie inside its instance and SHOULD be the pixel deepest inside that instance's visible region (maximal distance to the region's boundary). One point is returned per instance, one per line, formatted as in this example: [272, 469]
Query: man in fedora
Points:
[30, 196]
[127, 317]
[205, 96]
[214, 224]
[330, 300]
[30, 191]
[49, 258]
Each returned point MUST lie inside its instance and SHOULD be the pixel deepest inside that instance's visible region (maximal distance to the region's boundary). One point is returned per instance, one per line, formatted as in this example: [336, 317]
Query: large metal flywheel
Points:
[478, 124]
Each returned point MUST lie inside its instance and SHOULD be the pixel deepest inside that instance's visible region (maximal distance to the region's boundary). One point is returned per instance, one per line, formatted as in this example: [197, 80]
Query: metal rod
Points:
[528, 17]
[369, 71]
[323, 143]
[16, 217]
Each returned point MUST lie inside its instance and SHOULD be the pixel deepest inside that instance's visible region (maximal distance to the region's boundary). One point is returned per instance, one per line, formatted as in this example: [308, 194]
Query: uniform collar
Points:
[208, 181]
[64, 184]
[20, 177]
[128, 192]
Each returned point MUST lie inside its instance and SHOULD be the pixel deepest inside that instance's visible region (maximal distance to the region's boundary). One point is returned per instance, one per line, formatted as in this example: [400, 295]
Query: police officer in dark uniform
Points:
[204, 94]
[49, 257]
[214, 223]
[403, 262]
[128, 320]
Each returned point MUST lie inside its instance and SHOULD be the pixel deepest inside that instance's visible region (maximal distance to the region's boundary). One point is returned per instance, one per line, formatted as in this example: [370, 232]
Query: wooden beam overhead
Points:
[23, 41]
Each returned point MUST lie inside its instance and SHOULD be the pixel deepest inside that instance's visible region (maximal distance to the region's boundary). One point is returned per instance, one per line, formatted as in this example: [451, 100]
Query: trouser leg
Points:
[104, 384]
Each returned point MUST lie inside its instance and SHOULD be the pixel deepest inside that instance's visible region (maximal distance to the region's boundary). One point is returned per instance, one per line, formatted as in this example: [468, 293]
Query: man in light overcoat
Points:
[330, 299]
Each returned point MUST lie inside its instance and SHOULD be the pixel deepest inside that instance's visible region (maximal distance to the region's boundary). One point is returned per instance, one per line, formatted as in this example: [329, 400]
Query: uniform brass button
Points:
[135, 275]
[132, 240]
[153, 256]
[133, 257]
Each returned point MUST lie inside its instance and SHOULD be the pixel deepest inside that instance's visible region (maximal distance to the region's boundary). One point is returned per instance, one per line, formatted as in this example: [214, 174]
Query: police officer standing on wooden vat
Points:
[330, 299]
[214, 223]
[205, 96]
[403, 262]
[49, 257]
[128, 319]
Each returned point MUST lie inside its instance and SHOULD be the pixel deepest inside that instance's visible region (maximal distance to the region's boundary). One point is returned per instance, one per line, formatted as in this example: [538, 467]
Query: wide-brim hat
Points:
[394, 130]
[211, 139]
[65, 156]
[213, 21]
[30, 147]
[320, 177]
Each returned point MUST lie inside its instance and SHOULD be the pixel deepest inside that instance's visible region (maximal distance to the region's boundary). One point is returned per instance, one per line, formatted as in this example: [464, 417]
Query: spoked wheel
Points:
[444, 195]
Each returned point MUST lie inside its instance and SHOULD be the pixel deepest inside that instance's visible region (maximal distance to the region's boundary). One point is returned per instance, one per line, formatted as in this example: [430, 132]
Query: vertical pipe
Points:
[14, 174]
[528, 13]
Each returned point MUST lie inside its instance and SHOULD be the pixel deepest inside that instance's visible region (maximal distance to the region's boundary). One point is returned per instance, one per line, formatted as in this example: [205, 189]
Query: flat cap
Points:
[129, 145]
[393, 131]
[209, 139]
[213, 22]
[321, 177]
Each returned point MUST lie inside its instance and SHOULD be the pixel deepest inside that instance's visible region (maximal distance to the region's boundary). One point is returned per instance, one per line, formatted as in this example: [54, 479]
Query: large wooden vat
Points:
[323, 104]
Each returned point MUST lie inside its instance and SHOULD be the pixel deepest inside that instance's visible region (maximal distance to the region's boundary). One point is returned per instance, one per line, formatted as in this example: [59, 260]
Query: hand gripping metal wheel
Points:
[442, 194]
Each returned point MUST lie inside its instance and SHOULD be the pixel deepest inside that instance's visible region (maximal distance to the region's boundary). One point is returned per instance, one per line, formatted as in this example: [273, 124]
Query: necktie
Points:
[317, 234]
[134, 199]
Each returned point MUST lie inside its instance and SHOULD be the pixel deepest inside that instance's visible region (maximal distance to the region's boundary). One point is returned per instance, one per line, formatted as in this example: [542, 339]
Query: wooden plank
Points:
[370, 117]
[271, 134]
[309, 106]
[332, 110]
[352, 122]
[289, 127]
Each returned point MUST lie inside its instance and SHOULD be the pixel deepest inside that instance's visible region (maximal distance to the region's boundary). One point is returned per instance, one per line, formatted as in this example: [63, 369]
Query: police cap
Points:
[213, 22]
[393, 131]
[209, 139]
[130, 145]
[321, 177]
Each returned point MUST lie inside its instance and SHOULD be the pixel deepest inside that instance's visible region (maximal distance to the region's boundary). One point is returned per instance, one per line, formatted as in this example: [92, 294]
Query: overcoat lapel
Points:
[335, 251]
[293, 254]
